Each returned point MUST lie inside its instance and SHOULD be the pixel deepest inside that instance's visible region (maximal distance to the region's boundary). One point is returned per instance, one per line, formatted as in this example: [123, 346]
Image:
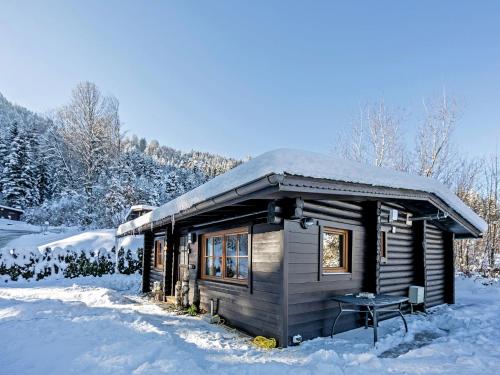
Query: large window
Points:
[225, 256]
[335, 254]
[158, 254]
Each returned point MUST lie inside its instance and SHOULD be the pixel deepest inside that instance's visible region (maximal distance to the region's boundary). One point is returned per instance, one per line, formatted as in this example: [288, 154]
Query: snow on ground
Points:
[101, 326]
[14, 225]
[33, 241]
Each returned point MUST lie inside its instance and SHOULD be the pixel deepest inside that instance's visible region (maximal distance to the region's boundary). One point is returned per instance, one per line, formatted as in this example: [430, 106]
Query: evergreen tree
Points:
[4, 151]
[43, 181]
[30, 179]
[12, 187]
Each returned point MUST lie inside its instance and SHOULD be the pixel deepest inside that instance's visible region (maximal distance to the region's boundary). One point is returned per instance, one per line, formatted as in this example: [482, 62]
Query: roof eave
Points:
[341, 188]
[267, 184]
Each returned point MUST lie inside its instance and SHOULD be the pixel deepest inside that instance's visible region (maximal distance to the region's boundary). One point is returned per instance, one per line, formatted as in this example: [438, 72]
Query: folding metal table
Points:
[370, 306]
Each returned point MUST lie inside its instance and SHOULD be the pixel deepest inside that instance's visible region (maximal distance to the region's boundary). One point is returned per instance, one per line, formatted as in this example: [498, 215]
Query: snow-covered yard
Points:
[101, 326]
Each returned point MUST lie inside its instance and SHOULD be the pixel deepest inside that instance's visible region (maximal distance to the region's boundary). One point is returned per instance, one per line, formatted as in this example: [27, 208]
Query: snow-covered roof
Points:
[11, 208]
[139, 207]
[142, 207]
[305, 164]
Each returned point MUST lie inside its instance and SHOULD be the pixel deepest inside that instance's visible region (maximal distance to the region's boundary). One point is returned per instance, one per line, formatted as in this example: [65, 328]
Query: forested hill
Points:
[77, 167]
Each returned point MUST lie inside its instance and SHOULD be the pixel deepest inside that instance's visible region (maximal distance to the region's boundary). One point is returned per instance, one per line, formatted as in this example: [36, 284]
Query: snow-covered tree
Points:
[90, 128]
[13, 185]
[75, 168]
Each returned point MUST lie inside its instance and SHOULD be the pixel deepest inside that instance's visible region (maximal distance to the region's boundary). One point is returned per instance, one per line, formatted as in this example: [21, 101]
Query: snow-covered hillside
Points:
[101, 326]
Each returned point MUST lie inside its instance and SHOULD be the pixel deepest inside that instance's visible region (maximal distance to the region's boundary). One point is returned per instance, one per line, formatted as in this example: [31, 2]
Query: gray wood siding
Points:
[310, 313]
[436, 274]
[399, 272]
[256, 308]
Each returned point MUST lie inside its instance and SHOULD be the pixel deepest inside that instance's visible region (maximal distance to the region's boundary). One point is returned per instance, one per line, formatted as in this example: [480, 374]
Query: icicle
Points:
[173, 223]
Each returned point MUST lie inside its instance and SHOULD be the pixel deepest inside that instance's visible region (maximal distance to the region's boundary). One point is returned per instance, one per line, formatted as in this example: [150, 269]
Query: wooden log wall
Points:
[156, 274]
[437, 266]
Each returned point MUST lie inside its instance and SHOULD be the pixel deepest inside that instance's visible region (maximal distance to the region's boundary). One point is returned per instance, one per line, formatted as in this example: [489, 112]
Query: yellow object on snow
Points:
[263, 342]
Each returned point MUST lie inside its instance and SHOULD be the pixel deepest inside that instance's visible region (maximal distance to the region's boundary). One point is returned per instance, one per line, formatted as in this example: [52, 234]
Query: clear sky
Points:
[242, 77]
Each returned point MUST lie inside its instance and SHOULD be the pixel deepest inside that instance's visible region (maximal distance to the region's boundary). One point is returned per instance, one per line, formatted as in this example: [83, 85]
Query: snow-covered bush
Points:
[68, 263]
[126, 263]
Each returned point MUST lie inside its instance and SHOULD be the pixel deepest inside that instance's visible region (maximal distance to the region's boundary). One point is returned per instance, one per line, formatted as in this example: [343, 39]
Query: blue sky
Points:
[239, 78]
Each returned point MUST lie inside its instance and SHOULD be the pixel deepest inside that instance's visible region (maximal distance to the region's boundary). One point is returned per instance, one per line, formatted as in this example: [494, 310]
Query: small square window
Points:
[335, 254]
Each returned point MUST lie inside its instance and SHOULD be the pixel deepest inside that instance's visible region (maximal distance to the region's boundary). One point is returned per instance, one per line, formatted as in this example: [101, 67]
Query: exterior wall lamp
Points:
[306, 222]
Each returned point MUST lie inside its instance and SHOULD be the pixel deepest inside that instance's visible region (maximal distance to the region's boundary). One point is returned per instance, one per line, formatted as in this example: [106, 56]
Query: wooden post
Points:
[421, 254]
[371, 282]
[449, 293]
[146, 260]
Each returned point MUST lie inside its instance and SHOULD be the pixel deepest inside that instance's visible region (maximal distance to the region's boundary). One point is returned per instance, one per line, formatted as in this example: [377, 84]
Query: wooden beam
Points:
[371, 280]
[146, 260]
[449, 267]
[420, 254]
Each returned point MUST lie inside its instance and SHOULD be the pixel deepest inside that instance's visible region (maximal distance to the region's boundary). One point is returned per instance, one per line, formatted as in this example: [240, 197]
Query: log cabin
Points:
[10, 213]
[270, 241]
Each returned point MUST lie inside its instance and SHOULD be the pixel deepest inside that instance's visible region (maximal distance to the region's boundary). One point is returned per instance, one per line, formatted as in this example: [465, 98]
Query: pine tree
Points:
[12, 188]
[4, 151]
[43, 181]
[30, 180]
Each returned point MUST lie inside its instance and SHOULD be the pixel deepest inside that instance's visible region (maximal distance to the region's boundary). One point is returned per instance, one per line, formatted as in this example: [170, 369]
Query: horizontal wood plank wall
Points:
[255, 308]
[310, 313]
[399, 272]
[436, 267]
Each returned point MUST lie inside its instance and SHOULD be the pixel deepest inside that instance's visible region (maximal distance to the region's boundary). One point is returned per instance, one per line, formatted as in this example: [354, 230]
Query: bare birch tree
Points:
[433, 145]
[491, 212]
[375, 138]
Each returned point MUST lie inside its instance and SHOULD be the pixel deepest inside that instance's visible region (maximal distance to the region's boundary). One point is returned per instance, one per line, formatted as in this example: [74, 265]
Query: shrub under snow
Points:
[86, 254]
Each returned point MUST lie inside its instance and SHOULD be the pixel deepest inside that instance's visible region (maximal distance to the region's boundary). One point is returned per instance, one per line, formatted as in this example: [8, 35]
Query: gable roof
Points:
[289, 162]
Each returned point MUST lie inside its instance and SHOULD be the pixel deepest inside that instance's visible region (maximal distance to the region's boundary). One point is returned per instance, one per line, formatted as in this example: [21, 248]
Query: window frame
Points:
[347, 235]
[384, 253]
[159, 265]
[224, 234]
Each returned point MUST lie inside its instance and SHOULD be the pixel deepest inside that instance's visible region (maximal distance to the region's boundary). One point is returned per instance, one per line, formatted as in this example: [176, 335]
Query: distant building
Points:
[138, 210]
[10, 213]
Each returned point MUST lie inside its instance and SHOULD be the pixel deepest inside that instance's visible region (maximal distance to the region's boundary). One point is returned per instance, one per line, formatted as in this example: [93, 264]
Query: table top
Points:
[378, 300]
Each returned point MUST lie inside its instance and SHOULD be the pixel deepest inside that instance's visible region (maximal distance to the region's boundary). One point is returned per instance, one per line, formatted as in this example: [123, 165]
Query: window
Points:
[335, 255]
[225, 256]
[184, 251]
[159, 254]
[383, 247]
